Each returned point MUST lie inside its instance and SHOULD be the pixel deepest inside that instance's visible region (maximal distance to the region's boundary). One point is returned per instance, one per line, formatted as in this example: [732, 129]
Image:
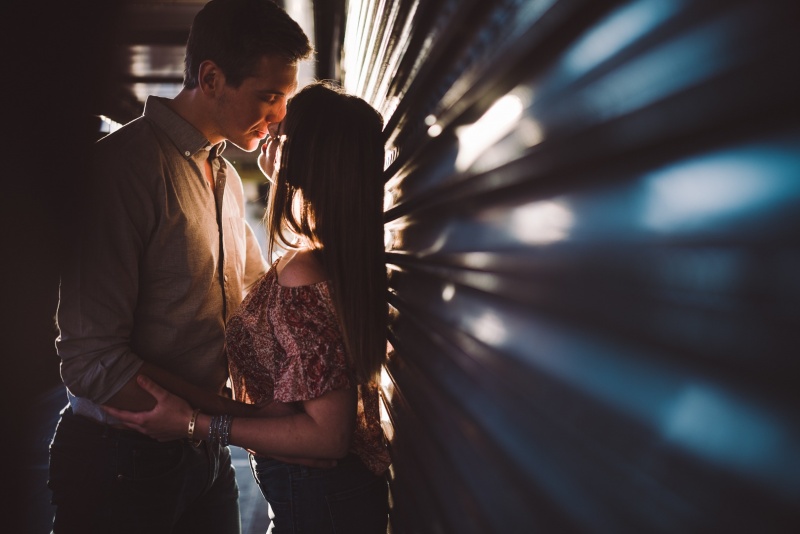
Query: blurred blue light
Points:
[710, 190]
[623, 27]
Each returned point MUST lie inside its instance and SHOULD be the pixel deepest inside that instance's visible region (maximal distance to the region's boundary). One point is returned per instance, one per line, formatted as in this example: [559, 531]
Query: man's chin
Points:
[247, 145]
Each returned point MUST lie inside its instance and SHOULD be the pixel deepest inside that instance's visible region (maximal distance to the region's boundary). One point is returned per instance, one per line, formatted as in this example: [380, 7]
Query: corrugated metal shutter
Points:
[593, 212]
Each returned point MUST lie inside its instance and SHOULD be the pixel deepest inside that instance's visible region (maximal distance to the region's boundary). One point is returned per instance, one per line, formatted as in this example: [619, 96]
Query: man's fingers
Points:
[119, 414]
[147, 384]
[129, 418]
[132, 420]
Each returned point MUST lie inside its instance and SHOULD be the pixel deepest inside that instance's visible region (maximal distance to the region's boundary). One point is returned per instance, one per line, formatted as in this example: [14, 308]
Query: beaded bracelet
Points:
[225, 431]
[220, 429]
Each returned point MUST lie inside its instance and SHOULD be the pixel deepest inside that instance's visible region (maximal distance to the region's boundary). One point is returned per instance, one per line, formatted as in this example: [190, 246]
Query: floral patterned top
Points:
[285, 344]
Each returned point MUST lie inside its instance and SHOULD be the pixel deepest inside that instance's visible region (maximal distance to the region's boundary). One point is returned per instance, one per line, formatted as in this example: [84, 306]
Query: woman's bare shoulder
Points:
[300, 268]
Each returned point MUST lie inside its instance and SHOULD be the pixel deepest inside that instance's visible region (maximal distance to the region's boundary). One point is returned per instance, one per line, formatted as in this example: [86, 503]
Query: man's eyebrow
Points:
[292, 90]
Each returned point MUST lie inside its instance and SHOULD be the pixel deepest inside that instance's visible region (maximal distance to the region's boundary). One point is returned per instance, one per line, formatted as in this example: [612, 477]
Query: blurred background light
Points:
[498, 120]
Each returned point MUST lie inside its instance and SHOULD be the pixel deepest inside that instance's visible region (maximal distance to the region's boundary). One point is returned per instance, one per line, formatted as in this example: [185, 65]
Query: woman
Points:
[311, 333]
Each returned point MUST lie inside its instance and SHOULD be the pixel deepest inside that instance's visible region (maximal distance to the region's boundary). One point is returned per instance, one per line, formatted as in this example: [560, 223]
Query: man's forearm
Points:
[132, 397]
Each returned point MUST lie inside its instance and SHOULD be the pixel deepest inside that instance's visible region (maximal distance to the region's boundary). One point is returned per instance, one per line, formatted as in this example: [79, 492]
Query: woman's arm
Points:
[323, 430]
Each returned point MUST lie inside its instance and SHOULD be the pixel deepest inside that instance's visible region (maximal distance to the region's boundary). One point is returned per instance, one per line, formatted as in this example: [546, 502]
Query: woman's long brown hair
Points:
[329, 189]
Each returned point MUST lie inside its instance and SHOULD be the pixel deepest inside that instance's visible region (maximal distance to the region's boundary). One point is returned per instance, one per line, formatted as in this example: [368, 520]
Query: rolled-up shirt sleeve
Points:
[100, 282]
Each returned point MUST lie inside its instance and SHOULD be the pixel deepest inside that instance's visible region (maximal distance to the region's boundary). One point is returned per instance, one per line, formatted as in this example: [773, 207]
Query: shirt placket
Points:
[219, 167]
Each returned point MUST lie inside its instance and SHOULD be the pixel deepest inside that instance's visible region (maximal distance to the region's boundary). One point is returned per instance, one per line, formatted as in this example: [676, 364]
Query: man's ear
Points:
[211, 79]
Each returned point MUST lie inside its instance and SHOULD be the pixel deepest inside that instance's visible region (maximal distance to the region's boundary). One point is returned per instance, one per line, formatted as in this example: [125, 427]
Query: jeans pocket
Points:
[274, 480]
[280, 515]
[360, 510]
[149, 463]
[149, 478]
[71, 464]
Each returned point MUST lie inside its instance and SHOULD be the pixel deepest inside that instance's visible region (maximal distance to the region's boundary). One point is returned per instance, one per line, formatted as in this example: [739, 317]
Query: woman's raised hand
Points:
[269, 158]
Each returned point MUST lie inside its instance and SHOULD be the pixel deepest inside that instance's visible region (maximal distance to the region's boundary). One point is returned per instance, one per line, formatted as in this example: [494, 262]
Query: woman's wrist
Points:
[219, 429]
[201, 426]
[213, 428]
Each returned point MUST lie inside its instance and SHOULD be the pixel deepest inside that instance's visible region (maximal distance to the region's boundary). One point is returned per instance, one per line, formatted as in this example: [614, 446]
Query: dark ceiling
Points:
[149, 53]
[150, 44]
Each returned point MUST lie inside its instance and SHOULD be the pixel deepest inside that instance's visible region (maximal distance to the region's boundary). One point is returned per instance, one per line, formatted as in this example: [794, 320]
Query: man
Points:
[163, 258]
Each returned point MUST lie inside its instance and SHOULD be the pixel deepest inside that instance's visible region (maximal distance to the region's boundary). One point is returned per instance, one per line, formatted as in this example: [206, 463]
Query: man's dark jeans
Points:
[111, 481]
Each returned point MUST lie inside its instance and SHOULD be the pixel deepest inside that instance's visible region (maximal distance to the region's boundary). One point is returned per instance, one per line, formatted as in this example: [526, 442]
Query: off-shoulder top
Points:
[285, 344]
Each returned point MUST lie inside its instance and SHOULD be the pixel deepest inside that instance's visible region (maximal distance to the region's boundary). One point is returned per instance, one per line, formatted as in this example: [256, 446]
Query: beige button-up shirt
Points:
[151, 279]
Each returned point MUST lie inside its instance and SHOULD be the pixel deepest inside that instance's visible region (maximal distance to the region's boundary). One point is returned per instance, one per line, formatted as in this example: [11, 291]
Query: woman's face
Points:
[270, 155]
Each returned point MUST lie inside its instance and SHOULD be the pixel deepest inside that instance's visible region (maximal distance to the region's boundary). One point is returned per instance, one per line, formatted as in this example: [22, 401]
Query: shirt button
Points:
[187, 153]
[225, 277]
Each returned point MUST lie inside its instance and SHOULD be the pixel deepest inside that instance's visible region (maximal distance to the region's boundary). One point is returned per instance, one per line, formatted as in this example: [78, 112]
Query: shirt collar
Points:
[186, 137]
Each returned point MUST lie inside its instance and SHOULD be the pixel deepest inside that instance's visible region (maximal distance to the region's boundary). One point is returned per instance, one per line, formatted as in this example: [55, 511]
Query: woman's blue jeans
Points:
[346, 499]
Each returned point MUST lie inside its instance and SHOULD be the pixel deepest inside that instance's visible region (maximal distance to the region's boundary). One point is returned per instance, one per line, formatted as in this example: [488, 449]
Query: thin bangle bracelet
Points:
[192, 421]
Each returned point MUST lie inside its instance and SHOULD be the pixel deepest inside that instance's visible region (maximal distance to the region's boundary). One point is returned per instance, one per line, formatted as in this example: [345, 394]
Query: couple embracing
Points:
[167, 298]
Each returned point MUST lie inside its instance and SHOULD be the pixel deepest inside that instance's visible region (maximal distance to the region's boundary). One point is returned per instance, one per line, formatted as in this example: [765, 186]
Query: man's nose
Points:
[274, 128]
[277, 113]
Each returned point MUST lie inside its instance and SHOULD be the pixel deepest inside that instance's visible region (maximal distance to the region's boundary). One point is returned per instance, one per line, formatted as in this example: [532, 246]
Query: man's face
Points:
[244, 114]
